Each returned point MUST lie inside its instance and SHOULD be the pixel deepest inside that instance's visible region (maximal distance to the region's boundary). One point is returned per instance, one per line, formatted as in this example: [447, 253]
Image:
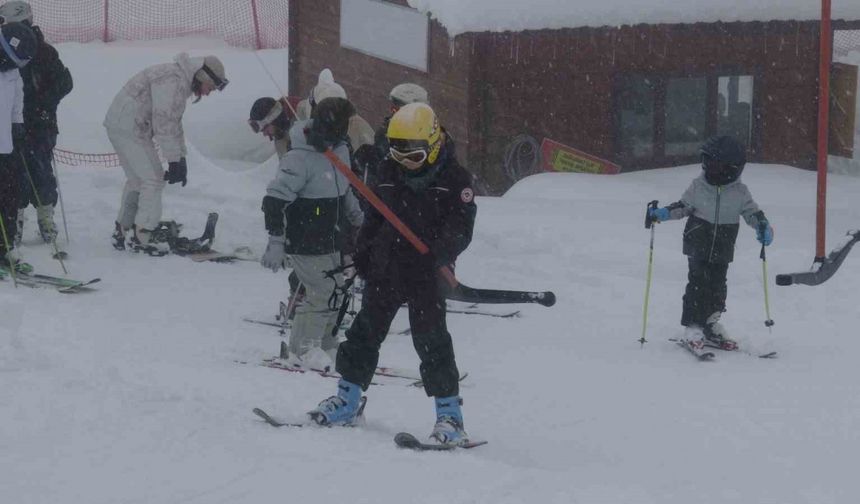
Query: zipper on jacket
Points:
[716, 222]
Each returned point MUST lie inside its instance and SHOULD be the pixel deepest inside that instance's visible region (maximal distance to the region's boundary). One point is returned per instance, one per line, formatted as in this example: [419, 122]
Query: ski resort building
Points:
[644, 92]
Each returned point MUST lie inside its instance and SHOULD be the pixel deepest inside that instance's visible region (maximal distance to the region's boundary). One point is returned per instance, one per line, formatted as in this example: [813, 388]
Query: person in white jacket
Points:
[17, 47]
[147, 112]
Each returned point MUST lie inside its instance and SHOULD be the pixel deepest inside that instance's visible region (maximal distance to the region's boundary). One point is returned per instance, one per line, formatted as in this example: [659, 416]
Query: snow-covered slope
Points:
[131, 393]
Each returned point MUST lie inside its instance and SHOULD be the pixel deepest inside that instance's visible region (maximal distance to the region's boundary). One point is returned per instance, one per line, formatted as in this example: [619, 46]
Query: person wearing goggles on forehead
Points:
[713, 205]
[19, 45]
[46, 82]
[147, 112]
[271, 118]
[432, 194]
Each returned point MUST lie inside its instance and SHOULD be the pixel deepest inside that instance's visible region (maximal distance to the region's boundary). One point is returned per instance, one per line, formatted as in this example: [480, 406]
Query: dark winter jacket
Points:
[312, 199]
[714, 214]
[441, 212]
[46, 82]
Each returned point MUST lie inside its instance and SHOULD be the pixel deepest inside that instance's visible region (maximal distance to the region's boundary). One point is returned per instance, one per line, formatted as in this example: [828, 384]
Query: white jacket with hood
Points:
[151, 104]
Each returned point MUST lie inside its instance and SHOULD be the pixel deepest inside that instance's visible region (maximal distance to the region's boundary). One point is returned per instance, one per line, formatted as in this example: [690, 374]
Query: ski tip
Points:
[406, 440]
[547, 298]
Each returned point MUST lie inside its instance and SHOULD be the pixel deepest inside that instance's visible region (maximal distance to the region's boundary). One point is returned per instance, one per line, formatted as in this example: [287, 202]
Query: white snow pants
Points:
[141, 196]
[314, 320]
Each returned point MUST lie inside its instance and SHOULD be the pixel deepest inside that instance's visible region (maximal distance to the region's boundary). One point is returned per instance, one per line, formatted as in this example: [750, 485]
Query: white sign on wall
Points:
[385, 30]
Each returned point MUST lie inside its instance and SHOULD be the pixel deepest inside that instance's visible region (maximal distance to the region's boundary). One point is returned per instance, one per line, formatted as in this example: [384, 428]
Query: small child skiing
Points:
[713, 203]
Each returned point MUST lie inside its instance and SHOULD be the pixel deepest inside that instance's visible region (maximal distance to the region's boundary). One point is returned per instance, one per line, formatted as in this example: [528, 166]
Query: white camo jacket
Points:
[150, 105]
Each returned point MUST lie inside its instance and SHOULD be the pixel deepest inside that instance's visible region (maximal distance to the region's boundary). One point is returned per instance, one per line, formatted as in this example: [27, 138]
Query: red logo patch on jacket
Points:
[467, 195]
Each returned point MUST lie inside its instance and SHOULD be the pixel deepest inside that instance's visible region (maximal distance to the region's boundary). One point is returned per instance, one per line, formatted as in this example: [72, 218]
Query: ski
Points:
[513, 314]
[409, 380]
[275, 422]
[765, 355]
[696, 348]
[409, 441]
[64, 285]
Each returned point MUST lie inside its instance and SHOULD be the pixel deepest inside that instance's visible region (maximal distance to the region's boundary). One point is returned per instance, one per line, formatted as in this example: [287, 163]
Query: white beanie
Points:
[326, 88]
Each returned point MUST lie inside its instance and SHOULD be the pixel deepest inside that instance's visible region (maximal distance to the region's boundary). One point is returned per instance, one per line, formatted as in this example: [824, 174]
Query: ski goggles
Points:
[10, 52]
[714, 165]
[219, 83]
[258, 125]
[412, 159]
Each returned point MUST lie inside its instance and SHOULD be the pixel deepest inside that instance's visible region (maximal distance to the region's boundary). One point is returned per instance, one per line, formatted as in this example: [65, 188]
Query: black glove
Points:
[19, 134]
[177, 171]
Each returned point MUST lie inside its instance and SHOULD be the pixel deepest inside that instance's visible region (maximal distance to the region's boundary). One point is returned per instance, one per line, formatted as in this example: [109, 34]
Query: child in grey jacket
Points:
[713, 203]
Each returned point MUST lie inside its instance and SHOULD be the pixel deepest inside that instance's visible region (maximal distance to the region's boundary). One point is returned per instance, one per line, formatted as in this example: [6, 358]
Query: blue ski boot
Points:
[449, 422]
[345, 408]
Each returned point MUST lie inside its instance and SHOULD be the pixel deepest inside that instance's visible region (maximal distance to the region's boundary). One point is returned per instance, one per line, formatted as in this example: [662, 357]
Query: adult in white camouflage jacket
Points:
[148, 111]
[714, 204]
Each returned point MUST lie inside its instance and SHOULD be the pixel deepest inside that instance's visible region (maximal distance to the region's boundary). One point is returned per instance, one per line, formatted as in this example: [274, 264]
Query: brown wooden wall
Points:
[315, 44]
[559, 84]
[489, 87]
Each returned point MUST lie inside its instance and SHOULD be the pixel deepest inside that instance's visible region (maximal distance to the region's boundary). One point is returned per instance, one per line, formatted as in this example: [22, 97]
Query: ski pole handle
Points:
[649, 221]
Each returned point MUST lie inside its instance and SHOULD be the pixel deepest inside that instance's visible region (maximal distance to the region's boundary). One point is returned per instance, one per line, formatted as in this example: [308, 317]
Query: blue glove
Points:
[659, 214]
[764, 233]
[275, 255]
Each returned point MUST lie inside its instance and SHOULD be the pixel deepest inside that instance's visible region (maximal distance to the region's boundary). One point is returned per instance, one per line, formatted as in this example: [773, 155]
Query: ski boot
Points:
[47, 228]
[118, 237]
[142, 242]
[716, 335]
[346, 408]
[13, 258]
[449, 422]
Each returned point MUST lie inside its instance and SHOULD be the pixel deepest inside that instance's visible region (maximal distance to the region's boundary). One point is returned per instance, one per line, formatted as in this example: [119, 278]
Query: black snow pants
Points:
[36, 171]
[9, 187]
[358, 356]
[706, 291]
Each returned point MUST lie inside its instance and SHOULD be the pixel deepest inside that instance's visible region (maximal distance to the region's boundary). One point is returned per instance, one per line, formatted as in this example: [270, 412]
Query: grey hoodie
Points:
[320, 205]
[714, 218]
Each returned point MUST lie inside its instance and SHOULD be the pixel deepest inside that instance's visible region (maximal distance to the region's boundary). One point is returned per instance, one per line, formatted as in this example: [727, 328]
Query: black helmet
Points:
[266, 111]
[19, 45]
[329, 122]
[723, 159]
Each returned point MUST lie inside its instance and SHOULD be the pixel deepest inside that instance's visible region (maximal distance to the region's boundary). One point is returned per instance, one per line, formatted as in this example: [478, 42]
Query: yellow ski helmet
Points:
[414, 136]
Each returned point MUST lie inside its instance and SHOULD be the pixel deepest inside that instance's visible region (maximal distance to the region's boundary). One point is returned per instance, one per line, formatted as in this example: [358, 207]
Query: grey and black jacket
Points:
[714, 218]
[310, 201]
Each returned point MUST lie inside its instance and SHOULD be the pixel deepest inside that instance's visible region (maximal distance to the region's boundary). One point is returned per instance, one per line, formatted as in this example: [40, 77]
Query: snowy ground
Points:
[130, 394]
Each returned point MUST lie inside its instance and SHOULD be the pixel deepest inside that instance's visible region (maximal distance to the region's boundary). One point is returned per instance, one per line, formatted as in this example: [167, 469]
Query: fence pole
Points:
[106, 32]
[256, 24]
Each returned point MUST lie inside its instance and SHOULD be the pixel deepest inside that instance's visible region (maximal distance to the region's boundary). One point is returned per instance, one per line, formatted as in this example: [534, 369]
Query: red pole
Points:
[823, 123]
[256, 24]
[106, 32]
[386, 212]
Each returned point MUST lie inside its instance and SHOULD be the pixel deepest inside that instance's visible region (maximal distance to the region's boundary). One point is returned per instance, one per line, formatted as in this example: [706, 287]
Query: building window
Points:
[663, 120]
[734, 107]
[686, 115]
[385, 30]
[636, 116]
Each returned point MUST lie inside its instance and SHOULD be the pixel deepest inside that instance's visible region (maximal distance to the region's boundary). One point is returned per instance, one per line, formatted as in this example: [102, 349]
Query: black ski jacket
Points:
[46, 82]
[442, 215]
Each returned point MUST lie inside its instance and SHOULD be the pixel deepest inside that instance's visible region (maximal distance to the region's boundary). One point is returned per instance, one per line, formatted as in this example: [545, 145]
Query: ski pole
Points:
[57, 254]
[8, 249]
[649, 224]
[60, 195]
[768, 321]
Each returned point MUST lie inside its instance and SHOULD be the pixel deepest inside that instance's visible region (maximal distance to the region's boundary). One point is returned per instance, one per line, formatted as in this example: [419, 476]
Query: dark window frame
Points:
[659, 158]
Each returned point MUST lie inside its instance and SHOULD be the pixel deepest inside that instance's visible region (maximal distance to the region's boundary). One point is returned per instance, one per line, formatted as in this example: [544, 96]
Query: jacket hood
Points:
[297, 136]
[189, 65]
